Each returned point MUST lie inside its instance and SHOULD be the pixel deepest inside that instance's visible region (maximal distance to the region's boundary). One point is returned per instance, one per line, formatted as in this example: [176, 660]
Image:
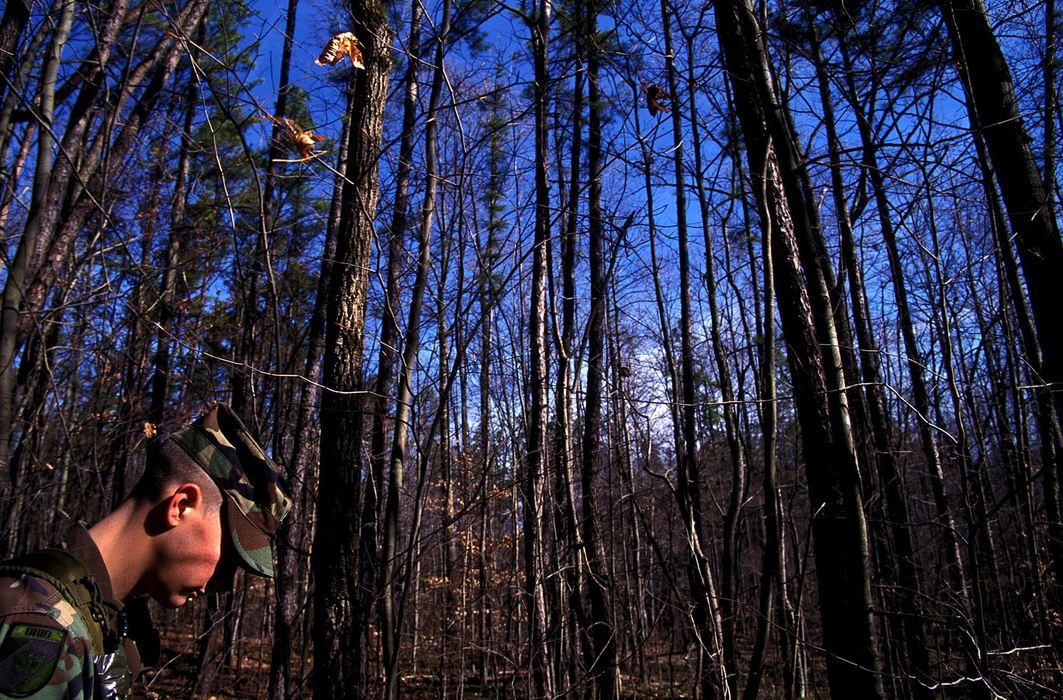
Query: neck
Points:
[124, 546]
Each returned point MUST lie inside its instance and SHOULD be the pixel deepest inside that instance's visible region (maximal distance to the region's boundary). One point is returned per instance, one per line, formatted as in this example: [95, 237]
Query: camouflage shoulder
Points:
[44, 644]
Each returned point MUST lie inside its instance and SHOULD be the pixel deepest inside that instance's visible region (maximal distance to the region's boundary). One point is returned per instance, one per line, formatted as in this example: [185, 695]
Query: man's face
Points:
[197, 559]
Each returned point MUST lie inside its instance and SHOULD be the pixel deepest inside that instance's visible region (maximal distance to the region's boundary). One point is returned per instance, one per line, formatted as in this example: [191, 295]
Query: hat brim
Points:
[251, 544]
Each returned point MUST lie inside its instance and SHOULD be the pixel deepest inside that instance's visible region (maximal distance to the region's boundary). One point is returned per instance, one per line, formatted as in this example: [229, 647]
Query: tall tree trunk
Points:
[839, 529]
[389, 330]
[338, 621]
[160, 378]
[295, 528]
[488, 298]
[571, 617]
[243, 379]
[996, 117]
[404, 398]
[16, 16]
[901, 574]
[20, 271]
[534, 462]
[955, 574]
[1051, 99]
[602, 666]
[712, 681]
[730, 554]
[78, 181]
[449, 660]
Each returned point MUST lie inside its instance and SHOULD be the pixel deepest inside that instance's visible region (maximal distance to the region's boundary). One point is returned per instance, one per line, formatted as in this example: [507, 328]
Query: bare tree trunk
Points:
[300, 476]
[1051, 99]
[955, 574]
[371, 575]
[538, 671]
[448, 529]
[77, 182]
[712, 681]
[19, 76]
[339, 669]
[631, 540]
[571, 615]
[602, 666]
[838, 525]
[772, 568]
[996, 120]
[730, 554]
[995, 115]
[403, 401]
[20, 271]
[16, 16]
[161, 361]
[902, 574]
[488, 298]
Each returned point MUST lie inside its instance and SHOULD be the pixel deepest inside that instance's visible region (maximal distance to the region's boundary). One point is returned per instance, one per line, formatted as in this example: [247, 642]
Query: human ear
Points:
[185, 498]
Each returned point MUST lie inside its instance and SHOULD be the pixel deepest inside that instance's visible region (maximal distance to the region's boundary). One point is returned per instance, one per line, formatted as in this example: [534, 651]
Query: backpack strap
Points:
[72, 579]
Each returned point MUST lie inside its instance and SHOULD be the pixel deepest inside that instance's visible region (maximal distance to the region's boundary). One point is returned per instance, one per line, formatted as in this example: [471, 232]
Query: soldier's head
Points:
[216, 500]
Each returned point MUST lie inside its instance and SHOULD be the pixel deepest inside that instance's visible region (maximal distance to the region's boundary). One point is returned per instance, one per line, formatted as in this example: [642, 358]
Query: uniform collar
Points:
[82, 546]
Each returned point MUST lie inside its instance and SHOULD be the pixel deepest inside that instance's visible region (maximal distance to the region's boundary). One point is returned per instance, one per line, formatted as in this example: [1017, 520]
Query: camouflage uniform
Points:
[46, 643]
[49, 649]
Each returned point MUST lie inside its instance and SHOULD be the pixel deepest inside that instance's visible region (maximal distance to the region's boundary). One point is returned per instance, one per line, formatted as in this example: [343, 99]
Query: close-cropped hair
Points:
[168, 466]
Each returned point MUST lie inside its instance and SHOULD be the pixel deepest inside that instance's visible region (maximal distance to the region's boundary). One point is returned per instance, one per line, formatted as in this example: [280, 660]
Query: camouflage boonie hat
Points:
[256, 499]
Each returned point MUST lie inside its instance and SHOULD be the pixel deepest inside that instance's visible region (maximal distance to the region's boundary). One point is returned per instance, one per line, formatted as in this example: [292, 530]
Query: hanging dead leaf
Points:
[304, 139]
[655, 96]
[343, 44]
[150, 430]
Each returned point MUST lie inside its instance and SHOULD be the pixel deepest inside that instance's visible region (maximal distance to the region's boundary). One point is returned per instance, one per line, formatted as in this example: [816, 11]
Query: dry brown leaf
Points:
[343, 44]
[304, 139]
[654, 98]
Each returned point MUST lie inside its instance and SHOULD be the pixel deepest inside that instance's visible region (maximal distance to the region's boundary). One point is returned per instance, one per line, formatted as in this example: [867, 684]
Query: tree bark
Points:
[534, 462]
[995, 115]
[839, 529]
[339, 669]
[712, 681]
[16, 15]
[602, 666]
[901, 574]
[404, 398]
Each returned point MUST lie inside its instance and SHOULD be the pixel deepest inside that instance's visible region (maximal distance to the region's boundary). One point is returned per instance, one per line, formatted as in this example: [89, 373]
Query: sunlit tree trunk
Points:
[839, 529]
[571, 618]
[712, 681]
[534, 462]
[901, 574]
[298, 525]
[12, 23]
[994, 115]
[602, 666]
[387, 358]
[730, 554]
[772, 568]
[404, 398]
[488, 293]
[20, 268]
[339, 669]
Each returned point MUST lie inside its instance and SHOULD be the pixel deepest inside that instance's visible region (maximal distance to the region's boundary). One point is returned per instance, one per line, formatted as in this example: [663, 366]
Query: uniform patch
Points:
[28, 658]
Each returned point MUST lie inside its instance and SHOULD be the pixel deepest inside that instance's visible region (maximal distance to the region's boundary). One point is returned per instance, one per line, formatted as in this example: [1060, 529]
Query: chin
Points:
[171, 602]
